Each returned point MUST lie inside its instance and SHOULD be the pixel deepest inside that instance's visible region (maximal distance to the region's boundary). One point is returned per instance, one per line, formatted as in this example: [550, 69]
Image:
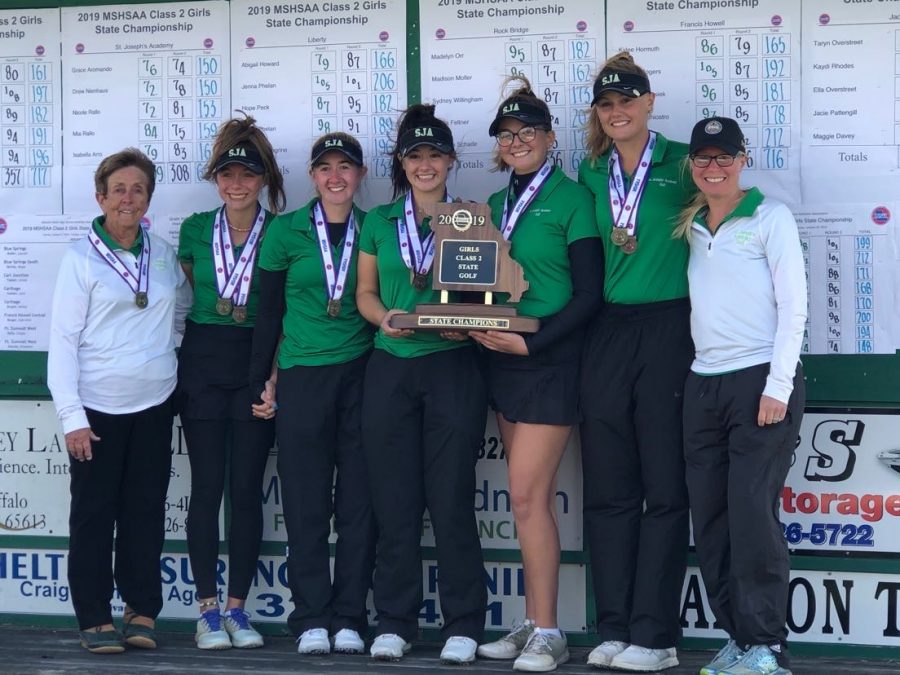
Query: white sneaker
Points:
[348, 641]
[603, 654]
[314, 641]
[210, 634]
[389, 647]
[645, 660]
[510, 645]
[242, 634]
[542, 653]
[458, 650]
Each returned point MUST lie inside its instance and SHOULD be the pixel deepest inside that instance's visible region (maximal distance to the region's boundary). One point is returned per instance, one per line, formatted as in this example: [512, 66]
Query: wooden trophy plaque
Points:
[470, 255]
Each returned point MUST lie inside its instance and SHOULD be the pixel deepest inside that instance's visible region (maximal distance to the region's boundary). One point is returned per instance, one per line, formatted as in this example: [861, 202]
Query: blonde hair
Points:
[686, 217]
[523, 91]
[237, 130]
[597, 141]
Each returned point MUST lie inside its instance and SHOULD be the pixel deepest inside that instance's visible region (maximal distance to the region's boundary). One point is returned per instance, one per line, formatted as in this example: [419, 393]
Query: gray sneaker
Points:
[542, 653]
[727, 656]
[758, 660]
[510, 645]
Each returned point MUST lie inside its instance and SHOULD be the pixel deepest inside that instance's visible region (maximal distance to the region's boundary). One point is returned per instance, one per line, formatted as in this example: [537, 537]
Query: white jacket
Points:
[748, 293]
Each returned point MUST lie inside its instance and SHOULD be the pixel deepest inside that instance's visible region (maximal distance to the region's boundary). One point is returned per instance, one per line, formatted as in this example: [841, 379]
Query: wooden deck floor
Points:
[34, 651]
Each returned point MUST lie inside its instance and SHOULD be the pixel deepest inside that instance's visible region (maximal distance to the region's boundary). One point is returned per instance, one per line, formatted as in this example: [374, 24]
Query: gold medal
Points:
[619, 236]
[224, 306]
[239, 314]
[630, 245]
[334, 308]
[420, 282]
[141, 299]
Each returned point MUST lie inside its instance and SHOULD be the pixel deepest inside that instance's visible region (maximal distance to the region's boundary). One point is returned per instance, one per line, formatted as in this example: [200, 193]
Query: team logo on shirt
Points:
[743, 237]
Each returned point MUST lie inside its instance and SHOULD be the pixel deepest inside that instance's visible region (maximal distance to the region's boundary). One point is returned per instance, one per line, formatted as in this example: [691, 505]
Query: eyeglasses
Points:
[703, 161]
[525, 134]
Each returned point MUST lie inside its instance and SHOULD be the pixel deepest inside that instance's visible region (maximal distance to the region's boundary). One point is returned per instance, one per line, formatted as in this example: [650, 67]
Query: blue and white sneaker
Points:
[758, 660]
[210, 634]
[727, 656]
[242, 634]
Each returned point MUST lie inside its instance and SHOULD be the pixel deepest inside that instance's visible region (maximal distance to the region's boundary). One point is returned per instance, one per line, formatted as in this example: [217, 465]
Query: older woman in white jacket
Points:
[111, 371]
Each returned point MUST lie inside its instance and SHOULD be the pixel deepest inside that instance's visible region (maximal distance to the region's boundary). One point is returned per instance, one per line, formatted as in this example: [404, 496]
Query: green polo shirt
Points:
[311, 337]
[195, 248]
[379, 238]
[113, 245]
[561, 213]
[658, 269]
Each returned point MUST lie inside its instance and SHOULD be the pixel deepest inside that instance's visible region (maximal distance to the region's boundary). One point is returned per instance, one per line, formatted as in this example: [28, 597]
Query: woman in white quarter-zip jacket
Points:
[744, 396]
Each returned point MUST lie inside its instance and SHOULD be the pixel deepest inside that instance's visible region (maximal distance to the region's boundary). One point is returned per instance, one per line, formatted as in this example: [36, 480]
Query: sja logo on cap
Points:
[334, 143]
[237, 152]
[610, 79]
[713, 127]
[512, 107]
[424, 131]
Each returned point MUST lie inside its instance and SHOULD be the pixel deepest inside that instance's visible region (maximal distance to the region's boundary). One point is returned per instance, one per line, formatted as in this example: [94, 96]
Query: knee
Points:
[526, 503]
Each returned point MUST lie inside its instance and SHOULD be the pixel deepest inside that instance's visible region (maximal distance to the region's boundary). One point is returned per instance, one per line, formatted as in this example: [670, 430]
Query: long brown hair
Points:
[416, 115]
[597, 142]
[239, 130]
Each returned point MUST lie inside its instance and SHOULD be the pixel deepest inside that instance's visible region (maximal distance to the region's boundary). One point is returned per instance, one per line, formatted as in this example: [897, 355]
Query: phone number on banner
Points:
[830, 534]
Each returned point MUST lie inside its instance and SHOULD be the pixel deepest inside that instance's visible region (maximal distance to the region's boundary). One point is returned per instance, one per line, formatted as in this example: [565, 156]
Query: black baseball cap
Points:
[244, 154]
[346, 145]
[523, 109]
[629, 84]
[718, 132]
[436, 137]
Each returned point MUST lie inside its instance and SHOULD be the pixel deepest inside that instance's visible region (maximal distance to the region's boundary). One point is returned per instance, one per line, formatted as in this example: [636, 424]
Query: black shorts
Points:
[538, 389]
[213, 372]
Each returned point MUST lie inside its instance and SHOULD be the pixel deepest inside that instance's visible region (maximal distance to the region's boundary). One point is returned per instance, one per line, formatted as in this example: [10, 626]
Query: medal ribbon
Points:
[624, 208]
[334, 286]
[508, 224]
[417, 255]
[142, 283]
[223, 257]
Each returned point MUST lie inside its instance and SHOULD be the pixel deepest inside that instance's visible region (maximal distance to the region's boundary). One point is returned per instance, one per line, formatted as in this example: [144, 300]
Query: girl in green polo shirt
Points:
[308, 283]
[637, 355]
[218, 250]
[533, 379]
[424, 409]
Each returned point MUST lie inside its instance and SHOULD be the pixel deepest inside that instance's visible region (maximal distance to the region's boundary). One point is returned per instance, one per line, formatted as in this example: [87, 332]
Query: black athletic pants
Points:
[423, 421]
[735, 474]
[635, 500]
[318, 430]
[222, 436]
[207, 441]
[123, 488]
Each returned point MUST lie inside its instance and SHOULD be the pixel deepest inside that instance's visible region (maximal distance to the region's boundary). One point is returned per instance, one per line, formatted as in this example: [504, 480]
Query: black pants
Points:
[318, 429]
[214, 400]
[207, 443]
[635, 499]
[123, 488]
[735, 473]
[423, 420]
